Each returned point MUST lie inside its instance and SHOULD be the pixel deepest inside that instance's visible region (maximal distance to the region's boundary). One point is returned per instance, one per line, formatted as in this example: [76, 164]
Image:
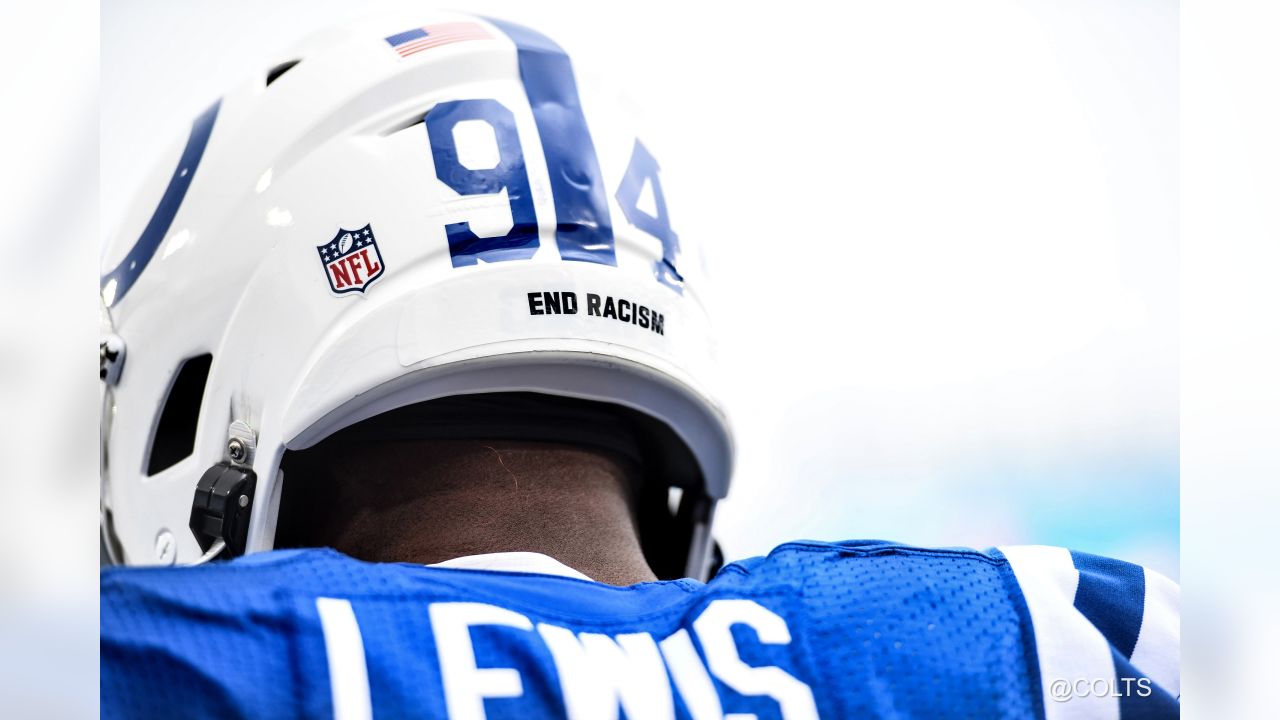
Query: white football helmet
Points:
[406, 209]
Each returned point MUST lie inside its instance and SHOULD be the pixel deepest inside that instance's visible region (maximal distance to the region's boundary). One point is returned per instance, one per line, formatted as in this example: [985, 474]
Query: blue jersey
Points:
[834, 630]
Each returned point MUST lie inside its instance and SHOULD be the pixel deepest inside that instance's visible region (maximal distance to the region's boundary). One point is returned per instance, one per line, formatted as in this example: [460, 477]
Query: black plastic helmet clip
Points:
[220, 510]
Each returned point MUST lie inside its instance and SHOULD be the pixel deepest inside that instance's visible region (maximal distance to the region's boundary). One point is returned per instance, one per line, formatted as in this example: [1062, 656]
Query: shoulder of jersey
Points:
[995, 633]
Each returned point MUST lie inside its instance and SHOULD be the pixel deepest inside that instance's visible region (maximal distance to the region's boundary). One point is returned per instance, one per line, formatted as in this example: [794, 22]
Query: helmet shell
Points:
[471, 192]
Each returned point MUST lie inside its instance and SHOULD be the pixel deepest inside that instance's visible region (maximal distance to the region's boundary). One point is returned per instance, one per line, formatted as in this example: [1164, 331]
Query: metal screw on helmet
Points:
[242, 440]
[243, 501]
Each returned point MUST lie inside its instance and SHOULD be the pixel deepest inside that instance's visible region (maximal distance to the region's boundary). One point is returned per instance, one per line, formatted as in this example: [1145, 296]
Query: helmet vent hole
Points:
[175, 436]
[274, 73]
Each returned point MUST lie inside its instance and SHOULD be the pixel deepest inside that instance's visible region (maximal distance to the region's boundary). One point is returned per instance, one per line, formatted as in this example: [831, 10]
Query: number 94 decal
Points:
[584, 230]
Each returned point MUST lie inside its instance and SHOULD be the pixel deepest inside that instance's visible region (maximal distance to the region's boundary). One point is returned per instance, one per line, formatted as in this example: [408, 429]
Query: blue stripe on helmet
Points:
[127, 272]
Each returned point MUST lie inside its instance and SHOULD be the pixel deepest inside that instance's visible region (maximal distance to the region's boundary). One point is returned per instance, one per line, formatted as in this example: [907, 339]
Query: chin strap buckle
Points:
[221, 508]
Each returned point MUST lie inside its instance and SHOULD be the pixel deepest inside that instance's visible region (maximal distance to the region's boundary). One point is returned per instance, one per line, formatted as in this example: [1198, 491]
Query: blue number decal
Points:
[465, 247]
[644, 167]
[584, 231]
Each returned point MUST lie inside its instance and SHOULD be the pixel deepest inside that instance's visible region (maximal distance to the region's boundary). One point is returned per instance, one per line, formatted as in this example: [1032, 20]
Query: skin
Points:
[426, 501]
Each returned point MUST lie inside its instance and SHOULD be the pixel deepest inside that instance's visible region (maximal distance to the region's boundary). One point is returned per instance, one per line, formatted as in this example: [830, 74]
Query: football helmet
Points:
[404, 210]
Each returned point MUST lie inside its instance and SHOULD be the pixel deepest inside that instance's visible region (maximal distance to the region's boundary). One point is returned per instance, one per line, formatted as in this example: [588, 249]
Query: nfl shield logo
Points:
[351, 260]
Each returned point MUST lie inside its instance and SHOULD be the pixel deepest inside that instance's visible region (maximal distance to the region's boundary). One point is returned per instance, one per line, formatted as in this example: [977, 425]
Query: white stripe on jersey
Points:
[1157, 652]
[1069, 647]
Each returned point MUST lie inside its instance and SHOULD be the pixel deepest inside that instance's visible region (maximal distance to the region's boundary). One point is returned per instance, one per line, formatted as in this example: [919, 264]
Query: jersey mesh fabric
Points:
[877, 630]
[910, 632]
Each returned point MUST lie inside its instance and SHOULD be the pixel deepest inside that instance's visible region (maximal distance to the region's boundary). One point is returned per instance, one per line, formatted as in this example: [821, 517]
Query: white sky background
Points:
[943, 237]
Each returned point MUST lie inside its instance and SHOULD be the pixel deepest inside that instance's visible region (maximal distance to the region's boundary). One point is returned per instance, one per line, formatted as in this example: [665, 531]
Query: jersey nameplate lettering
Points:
[485, 654]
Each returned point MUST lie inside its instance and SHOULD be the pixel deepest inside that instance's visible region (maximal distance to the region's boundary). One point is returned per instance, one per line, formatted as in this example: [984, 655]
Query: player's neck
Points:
[457, 498]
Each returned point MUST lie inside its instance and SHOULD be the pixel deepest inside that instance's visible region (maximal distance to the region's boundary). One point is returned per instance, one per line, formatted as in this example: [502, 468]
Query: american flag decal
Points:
[428, 36]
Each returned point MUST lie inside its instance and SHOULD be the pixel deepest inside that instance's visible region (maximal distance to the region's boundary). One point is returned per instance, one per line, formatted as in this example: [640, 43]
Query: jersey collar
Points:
[527, 562]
